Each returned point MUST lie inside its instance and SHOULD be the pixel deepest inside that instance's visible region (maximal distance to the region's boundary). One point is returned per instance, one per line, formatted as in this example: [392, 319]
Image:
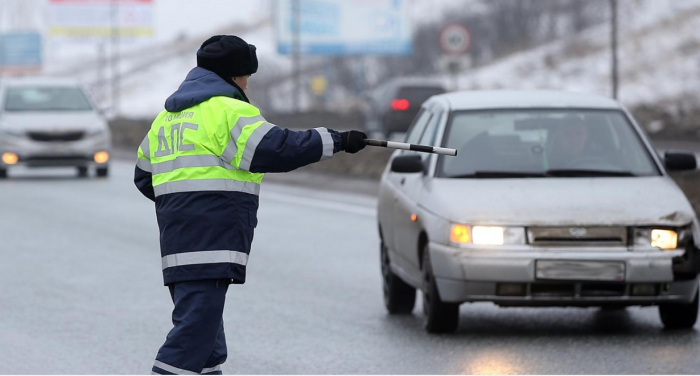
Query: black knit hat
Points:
[227, 56]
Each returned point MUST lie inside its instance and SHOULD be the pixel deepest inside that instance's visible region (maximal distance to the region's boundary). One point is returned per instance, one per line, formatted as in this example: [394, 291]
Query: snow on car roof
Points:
[485, 99]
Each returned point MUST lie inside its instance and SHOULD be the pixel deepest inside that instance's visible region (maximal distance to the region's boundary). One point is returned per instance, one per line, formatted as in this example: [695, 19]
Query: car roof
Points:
[414, 81]
[38, 81]
[490, 99]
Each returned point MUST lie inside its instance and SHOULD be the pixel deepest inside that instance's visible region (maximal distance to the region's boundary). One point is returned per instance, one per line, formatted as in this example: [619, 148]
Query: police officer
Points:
[202, 163]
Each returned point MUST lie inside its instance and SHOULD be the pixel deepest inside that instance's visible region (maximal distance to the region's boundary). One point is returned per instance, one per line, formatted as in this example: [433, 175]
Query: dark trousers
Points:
[196, 344]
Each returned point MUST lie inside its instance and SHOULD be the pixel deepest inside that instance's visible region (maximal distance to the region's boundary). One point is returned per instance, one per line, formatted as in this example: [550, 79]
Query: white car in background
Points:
[554, 199]
[50, 122]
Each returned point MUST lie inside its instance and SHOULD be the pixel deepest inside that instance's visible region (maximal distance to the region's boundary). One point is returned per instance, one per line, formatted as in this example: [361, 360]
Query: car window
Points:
[428, 137]
[544, 142]
[46, 98]
[416, 130]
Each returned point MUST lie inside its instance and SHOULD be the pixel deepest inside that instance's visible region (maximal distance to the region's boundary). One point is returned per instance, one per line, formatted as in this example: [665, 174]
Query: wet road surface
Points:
[81, 292]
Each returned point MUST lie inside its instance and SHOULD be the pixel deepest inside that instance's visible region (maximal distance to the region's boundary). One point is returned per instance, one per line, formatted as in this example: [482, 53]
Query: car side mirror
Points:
[407, 164]
[680, 161]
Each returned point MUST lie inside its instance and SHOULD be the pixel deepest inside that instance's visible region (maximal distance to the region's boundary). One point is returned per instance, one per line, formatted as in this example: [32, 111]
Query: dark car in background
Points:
[391, 107]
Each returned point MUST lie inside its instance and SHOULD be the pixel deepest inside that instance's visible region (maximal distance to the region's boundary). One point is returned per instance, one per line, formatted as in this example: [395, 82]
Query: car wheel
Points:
[399, 297]
[679, 316]
[102, 172]
[440, 317]
[3, 173]
[82, 172]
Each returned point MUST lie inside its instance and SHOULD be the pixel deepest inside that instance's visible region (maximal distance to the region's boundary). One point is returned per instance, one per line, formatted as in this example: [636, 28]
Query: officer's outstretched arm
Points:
[142, 174]
[283, 150]
[259, 146]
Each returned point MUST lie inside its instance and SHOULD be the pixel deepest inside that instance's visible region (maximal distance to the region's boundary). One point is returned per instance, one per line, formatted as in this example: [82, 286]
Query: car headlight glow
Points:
[101, 157]
[664, 239]
[656, 238]
[487, 235]
[9, 158]
[460, 234]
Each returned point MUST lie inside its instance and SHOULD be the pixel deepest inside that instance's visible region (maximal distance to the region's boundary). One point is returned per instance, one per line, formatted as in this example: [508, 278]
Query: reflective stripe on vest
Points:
[204, 257]
[251, 143]
[232, 148]
[143, 164]
[185, 161]
[195, 185]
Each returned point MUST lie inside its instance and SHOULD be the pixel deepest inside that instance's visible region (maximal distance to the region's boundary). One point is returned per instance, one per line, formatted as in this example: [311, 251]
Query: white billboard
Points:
[344, 27]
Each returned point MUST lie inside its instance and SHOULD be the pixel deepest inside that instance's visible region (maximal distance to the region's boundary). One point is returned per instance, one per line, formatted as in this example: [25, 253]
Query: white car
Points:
[50, 122]
[554, 199]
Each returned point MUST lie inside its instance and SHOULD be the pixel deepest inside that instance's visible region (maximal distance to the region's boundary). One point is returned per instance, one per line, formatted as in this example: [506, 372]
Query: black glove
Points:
[353, 141]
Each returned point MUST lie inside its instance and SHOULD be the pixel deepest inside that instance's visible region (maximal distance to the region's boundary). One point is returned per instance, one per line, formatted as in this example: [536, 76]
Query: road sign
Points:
[455, 39]
[20, 52]
[99, 19]
[319, 84]
[344, 27]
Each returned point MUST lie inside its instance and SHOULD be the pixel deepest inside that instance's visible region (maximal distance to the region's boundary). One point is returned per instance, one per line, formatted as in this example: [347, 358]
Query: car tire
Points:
[3, 173]
[102, 172]
[399, 296]
[440, 317]
[679, 316]
[82, 172]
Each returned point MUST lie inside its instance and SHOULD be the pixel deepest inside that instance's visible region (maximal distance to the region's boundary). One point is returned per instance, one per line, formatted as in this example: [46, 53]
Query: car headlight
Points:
[657, 238]
[486, 235]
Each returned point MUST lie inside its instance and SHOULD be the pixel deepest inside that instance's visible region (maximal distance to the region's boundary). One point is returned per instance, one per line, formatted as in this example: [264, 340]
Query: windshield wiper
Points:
[587, 173]
[501, 174]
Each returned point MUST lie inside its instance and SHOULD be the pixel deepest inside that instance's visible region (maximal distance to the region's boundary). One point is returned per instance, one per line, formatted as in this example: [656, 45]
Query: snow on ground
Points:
[659, 58]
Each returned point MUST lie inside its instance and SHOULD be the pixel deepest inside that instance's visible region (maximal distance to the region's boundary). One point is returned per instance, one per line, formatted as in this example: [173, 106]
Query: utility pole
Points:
[613, 45]
[296, 53]
[114, 40]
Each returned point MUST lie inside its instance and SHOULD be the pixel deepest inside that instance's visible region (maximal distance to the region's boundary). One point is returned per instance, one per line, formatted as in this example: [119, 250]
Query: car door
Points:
[408, 191]
[393, 190]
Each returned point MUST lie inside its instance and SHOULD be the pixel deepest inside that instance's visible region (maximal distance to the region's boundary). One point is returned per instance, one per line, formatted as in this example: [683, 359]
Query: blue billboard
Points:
[20, 51]
[344, 27]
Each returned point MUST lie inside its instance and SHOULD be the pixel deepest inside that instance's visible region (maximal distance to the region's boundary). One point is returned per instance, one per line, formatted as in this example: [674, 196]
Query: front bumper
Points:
[508, 277]
[53, 154]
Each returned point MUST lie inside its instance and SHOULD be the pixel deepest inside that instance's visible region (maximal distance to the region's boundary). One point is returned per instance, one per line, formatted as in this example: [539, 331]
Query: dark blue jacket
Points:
[198, 222]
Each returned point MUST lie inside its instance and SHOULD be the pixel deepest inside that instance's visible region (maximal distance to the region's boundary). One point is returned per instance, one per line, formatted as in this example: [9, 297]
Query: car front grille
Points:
[56, 136]
[547, 290]
[577, 236]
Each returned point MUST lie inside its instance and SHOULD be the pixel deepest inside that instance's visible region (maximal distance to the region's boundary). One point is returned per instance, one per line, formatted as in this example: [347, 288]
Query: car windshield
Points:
[46, 98]
[544, 143]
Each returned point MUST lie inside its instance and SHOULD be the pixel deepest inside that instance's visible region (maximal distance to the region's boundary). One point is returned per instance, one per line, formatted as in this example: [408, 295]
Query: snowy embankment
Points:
[659, 59]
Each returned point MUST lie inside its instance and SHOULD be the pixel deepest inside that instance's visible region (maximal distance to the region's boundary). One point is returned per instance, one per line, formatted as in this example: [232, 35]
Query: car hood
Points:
[559, 201]
[57, 121]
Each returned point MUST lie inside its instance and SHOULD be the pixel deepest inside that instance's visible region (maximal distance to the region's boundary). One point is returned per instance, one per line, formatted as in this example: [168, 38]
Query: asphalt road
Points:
[81, 293]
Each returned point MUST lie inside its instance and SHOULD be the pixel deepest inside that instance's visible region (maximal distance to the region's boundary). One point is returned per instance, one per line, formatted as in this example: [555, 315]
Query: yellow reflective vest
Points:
[202, 162]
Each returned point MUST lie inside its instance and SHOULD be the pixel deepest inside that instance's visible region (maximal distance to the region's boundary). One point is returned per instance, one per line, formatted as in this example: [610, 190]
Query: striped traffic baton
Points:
[405, 146]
